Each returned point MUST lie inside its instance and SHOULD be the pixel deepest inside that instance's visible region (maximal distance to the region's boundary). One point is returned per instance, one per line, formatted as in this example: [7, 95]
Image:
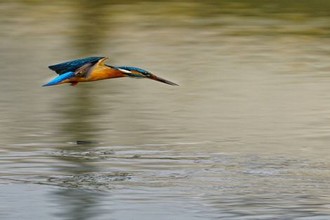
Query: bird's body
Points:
[93, 69]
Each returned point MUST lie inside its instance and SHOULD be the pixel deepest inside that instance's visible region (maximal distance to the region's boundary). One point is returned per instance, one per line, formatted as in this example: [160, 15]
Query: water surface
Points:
[245, 135]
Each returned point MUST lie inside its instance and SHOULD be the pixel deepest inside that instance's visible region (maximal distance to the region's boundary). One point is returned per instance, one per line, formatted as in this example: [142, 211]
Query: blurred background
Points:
[245, 135]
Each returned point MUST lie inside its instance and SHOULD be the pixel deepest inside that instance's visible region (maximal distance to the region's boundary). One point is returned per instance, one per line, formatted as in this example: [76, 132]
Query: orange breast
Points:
[104, 72]
[98, 73]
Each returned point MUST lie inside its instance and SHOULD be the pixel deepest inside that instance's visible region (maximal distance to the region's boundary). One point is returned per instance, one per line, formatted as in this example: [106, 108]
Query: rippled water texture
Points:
[245, 135]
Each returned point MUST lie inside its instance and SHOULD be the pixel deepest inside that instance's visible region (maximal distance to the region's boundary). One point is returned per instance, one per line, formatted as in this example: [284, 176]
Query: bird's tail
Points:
[60, 79]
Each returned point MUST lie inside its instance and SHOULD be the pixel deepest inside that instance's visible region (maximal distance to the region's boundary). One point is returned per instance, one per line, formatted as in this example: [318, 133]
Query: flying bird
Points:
[94, 68]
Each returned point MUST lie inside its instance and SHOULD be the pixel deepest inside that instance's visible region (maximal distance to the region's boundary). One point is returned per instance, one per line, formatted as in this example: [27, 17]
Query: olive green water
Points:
[245, 136]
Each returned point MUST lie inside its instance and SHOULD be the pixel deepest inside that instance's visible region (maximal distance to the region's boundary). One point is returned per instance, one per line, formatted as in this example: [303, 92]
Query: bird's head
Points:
[136, 72]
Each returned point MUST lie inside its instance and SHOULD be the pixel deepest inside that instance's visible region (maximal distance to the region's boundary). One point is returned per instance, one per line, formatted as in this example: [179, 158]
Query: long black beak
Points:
[154, 77]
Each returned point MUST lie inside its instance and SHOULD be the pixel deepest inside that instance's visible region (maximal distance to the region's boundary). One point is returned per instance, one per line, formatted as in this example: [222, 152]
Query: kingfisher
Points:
[94, 68]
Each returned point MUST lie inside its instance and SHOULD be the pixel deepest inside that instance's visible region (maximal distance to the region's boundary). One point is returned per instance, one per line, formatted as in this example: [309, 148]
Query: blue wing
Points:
[60, 78]
[71, 66]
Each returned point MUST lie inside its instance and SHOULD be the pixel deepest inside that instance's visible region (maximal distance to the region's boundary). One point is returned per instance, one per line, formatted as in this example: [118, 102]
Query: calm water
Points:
[245, 136]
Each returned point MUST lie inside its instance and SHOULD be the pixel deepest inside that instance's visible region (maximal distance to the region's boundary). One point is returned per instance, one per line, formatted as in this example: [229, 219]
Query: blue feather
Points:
[60, 78]
[71, 66]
